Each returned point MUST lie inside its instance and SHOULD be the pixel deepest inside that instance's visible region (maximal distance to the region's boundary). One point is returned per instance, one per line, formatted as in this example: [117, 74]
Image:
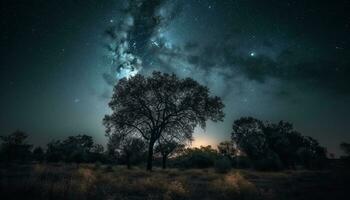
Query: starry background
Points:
[269, 59]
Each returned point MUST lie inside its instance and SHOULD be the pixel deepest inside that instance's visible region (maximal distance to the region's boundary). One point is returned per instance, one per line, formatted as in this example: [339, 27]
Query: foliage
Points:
[284, 141]
[161, 105]
[78, 149]
[312, 155]
[345, 147]
[242, 162]
[54, 151]
[248, 134]
[276, 146]
[227, 149]
[167, 149]
[202, 157]
[270, 162]
[14, 147]
[38, 154]
[223, 165]
[130, 150]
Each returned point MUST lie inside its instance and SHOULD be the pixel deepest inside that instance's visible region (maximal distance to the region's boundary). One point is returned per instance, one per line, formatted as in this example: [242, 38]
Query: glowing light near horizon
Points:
[201, 140]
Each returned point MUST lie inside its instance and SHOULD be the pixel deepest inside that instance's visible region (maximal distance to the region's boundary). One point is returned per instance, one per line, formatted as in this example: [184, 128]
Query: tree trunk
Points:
[164, 161]
[150, 155]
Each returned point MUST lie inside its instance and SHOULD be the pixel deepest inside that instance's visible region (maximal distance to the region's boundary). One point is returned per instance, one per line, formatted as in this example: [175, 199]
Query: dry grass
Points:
[90, 182]
[63, 181]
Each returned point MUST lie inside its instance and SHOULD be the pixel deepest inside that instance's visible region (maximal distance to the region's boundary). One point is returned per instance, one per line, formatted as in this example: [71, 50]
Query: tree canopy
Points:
[277, 145]
[14, 146]
[160, 105]
[79, 148]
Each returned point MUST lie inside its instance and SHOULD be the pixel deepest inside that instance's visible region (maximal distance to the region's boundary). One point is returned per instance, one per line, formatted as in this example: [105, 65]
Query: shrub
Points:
[242, 162]
[202, 157]
[175, 190]
[108, 168]
[233, 186]
[222, 165]
[271, 162]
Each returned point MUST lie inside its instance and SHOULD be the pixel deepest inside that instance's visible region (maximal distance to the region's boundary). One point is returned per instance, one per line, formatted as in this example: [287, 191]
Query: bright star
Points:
[252, 54]
[155, 43]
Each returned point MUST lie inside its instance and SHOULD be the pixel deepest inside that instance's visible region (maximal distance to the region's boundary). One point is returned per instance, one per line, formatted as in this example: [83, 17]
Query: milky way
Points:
[275, 60]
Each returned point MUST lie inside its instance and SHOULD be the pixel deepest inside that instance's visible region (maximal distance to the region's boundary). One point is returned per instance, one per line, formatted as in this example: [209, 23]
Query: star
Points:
[155, 43]
[252, 54]
[76, 100]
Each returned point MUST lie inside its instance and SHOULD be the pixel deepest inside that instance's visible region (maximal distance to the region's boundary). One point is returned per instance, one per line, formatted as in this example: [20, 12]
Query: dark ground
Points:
[94, 181]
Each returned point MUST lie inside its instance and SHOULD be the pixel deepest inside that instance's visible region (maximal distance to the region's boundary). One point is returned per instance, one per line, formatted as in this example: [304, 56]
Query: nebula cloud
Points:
[137, 41]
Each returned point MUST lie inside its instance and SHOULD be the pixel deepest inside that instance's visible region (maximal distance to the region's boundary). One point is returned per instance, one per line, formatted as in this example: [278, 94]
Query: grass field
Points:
[63, 181]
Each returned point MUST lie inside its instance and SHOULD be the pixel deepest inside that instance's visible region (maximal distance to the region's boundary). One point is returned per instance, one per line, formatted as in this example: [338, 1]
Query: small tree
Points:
[312, 155]
[54, 151]
[167, 149]
[38, 154]
[284, 141]
[202, 157]
[77, 148]
[15, 147]
[97, 153]
[160, 105]
[345, 147]
[131, 149]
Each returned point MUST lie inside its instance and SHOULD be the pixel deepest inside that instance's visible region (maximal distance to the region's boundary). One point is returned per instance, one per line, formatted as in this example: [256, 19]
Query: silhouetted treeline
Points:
[254, 144]
[276, 146]
[77, 149]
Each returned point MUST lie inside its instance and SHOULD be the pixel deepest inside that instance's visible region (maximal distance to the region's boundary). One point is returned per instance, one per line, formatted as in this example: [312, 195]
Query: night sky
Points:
[274, 60]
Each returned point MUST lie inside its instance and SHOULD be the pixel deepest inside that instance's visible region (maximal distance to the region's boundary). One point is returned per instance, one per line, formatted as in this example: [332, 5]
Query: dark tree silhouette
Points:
[311, 154]
[38, 154]
[160, 105]
[167, 149]
[345, 147]
[284, 141]
[80, 148]
[272, 146]
[96, 154]
[227, 149]
[201, 157]
[248, 135]
[15, 147]
[131, 149]
[54, 151]
[97, 148]
[77, 148]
